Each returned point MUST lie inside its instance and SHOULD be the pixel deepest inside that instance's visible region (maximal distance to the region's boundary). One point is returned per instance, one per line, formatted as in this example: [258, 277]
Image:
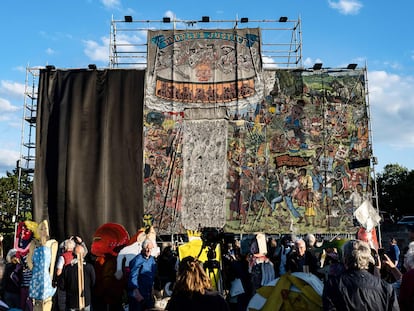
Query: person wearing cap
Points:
[356, 288]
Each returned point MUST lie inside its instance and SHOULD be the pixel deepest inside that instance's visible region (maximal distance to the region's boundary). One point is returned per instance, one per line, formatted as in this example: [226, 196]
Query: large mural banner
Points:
[299, 160]
[230, 145]
[201, 67]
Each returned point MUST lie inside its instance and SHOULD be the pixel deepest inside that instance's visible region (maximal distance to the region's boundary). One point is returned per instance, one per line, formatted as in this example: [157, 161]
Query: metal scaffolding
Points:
[281, 39]
[26, 162]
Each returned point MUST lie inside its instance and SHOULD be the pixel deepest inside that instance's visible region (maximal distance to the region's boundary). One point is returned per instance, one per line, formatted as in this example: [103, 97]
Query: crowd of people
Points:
[64, 278]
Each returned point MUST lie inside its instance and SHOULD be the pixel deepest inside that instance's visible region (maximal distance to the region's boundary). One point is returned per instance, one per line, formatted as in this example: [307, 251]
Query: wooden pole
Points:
[81, 283]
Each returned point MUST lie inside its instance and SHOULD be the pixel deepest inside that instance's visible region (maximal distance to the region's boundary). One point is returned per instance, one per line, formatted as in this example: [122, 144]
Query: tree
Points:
[396, 190]
[11, 191]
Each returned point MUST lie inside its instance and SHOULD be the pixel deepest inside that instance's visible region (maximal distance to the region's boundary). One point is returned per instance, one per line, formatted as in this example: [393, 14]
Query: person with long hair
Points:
[356, 288]
[193, 289]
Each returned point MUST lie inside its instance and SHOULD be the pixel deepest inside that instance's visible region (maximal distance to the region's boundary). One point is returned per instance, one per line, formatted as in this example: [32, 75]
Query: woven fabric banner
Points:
[199, 68]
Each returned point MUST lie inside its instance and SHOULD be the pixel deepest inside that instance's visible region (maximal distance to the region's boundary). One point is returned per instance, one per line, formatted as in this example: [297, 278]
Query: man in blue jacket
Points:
[141, 278]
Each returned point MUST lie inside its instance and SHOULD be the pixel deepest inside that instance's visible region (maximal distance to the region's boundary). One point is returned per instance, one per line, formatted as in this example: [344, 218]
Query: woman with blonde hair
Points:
[193, 289]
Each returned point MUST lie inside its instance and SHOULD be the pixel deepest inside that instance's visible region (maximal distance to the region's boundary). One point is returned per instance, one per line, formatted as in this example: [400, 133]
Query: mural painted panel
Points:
[297, 142]
[299, 160]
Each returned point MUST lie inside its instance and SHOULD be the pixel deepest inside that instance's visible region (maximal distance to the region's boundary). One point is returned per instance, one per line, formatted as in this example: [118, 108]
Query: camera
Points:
[381, 253]
[211, 236]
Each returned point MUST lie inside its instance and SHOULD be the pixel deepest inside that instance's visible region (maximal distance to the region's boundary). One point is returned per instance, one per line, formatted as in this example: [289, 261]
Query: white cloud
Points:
[12, 89]
[269, 62]
[346, 7]
[97, 52]
[50, 51]
[169, 14]
[125, 43]
[6, 106]
[309, 62]
[111, 4]
[392, 108]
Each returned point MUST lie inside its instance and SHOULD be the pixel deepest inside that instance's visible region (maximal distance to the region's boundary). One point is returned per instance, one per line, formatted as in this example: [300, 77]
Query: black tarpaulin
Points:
[89, 150]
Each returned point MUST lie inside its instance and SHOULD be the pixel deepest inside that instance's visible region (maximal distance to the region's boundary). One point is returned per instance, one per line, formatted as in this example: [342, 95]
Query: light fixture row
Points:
[204, 19]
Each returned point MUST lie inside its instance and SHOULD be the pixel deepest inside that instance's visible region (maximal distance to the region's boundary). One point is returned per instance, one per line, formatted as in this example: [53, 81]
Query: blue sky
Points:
[376, 34]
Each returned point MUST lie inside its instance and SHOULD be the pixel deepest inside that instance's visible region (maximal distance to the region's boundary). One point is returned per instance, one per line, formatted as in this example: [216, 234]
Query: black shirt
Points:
[71, 283]
[211, 300]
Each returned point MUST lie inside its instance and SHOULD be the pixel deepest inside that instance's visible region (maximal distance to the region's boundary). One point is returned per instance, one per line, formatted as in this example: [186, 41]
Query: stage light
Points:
[166, 20]
[128, 19]
[352, 66]
[283, 19]
[92, 66]
[205, 19]
[317, 66]
[50, 67]
[244, 20]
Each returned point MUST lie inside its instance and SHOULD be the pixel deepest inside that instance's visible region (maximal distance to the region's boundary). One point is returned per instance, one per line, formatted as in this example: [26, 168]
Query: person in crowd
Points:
[166, 268]
[390, 272]
[410, 237]
[394, 251]
[193, 289]
[375, 266]
[24, 237]
[78, 293]
[356, 288]
[10, 283]
[108, 291]
[143, 269]
[310, 241]
[235, 266]
[301, 259]
[330, 262]
[406, 296]
[286, 248]
[63, 260]
[273, 253]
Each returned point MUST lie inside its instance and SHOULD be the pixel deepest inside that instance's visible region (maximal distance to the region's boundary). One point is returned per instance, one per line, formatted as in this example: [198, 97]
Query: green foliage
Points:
[396, 190]
[10, 192]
